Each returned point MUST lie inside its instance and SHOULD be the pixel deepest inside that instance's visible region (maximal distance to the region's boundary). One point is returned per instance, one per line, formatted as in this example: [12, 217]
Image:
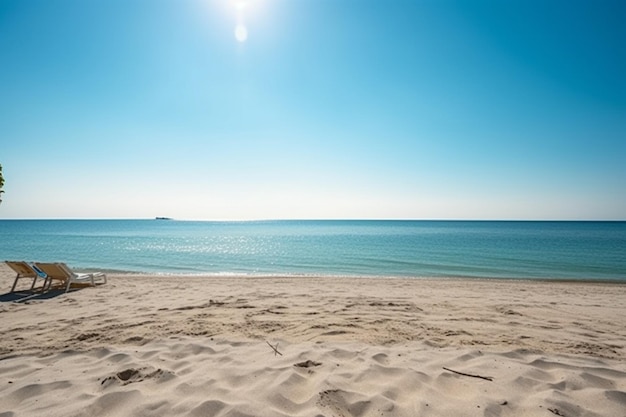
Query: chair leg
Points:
[34, 281]
[47, 283]
[102, 276]
[15, 282]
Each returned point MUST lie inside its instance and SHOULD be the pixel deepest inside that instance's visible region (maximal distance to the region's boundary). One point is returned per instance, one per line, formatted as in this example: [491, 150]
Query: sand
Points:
[237, 346]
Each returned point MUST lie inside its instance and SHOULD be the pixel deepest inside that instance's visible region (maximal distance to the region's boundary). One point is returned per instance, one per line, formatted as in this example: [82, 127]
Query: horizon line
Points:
[167, 219]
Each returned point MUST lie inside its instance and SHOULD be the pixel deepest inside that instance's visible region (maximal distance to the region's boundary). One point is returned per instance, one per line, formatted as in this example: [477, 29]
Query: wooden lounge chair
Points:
[60, 272]
[25, 270]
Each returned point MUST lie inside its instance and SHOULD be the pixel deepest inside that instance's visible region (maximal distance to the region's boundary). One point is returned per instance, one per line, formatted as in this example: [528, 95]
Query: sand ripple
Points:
[191, 377]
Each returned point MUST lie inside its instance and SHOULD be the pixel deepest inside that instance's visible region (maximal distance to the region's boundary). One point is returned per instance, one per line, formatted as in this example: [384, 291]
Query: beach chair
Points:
[25, 270]
[60, 272]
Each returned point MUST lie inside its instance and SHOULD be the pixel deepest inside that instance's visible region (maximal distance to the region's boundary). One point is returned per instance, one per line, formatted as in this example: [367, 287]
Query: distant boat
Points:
[163, 218]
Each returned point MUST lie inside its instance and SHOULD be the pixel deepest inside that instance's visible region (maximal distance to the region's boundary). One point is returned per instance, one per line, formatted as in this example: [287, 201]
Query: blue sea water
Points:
[488, 249]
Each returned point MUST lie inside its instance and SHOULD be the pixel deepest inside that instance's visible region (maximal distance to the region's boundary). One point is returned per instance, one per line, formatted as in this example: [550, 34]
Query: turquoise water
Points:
[560, 250]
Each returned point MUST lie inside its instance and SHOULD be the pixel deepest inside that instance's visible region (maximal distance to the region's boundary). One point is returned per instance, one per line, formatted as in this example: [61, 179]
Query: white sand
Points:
[199, 346]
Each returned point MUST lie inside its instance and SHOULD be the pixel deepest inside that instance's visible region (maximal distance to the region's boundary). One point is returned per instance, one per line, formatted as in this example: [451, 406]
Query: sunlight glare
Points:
[241, 33]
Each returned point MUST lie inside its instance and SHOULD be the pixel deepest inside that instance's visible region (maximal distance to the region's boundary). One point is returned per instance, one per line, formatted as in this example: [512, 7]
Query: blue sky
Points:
[420, 109]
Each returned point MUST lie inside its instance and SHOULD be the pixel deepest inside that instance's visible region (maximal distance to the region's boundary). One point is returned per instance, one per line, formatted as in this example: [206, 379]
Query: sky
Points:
[313, 109]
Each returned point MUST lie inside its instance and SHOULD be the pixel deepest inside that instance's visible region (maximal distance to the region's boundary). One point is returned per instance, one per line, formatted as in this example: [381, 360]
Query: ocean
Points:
[369, 248]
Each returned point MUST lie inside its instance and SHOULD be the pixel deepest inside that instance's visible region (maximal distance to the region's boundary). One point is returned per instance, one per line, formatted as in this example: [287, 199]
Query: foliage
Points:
[1, 183]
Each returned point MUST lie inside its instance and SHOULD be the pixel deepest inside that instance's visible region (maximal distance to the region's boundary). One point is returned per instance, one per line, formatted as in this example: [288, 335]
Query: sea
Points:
[560, 250]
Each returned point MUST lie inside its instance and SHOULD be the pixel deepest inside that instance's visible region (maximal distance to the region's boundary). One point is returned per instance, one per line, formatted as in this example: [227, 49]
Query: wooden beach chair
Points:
[25, 270]
[60, 272]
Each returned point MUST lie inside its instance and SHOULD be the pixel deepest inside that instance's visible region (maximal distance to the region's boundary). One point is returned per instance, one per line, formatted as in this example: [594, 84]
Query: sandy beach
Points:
[239, 346]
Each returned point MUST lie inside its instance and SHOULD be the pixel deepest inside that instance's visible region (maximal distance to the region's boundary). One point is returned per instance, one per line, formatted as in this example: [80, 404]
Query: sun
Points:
[241, 4]
[241, 33]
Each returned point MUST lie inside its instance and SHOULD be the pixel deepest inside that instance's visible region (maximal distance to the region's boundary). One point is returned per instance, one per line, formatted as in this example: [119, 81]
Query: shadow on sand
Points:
[22, 296]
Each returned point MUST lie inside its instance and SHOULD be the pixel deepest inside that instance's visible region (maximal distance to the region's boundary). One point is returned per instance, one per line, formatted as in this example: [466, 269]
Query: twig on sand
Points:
[488, 378]
[274, 348]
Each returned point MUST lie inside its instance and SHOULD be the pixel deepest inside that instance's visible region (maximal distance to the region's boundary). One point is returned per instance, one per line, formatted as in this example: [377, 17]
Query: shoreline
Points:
[179, 345]
[239, 275]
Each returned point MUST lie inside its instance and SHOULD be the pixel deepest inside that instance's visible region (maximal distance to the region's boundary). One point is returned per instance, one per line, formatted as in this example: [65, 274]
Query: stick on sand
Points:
[488, 378]
[275, 348]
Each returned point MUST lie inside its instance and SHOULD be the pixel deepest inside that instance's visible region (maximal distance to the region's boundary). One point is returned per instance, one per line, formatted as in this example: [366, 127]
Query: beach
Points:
[156, 345]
